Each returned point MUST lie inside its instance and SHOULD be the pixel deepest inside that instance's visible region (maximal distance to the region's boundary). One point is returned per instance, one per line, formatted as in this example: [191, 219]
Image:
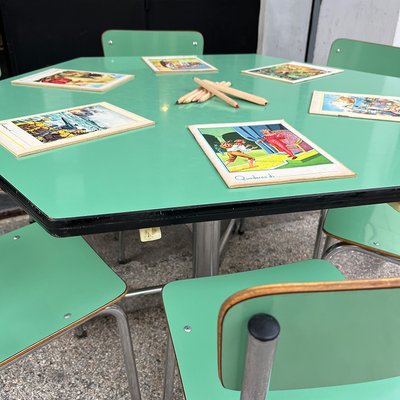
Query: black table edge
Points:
[75, 226]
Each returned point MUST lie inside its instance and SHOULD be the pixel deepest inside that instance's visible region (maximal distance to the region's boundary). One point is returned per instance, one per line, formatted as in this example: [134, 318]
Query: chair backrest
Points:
[331, 333]
[365, 57]
[151, 43]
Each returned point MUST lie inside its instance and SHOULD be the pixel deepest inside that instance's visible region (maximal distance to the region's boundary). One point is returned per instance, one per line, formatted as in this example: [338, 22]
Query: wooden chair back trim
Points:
[291, 288]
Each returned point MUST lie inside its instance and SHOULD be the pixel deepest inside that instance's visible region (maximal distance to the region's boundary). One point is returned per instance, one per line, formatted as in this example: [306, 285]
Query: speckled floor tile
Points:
[92, 367]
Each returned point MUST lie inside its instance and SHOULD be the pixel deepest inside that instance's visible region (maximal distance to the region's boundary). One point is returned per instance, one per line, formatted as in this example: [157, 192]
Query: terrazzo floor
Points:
[92, 367]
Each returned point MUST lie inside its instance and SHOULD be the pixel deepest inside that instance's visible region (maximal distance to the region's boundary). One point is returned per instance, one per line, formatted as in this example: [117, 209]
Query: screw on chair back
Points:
[151, 43]
[363, 56]
[331, 334]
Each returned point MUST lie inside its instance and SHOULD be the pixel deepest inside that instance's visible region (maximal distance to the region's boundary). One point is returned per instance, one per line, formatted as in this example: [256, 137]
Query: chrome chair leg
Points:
[318, 240]
[226, 235]
[328, 243]
[341, 247]
[127, 347]
[80, 331]
[122, 247]
[263, 334]
[240, 226]
[169, 373]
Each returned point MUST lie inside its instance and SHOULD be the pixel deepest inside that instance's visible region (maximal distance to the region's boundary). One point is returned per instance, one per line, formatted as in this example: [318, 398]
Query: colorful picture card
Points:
[292, 72]
[356, 105]
[40, 132]
[74, 79]
[178, 64]
[264, 153]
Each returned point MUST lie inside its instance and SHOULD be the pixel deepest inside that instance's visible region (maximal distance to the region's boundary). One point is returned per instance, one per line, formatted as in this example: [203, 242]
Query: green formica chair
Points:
[357, 225]
[51, 285]
[294, 332]
[363, 56]
[120, 43]
[372, 230]
[117, 43]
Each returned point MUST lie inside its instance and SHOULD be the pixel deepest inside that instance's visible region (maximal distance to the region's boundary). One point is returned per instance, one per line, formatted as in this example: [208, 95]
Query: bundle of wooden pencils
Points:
[208, 89]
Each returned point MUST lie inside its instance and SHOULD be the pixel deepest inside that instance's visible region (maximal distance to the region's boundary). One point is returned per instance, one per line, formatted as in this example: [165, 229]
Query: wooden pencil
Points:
[205, 97]
[208, 95]
[240, 94]
[202, 92]
[187, 95]
[214, 90]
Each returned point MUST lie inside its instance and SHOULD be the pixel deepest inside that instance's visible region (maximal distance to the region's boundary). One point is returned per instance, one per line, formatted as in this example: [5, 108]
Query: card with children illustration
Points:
[264, 153]
[178, 64]
[74, 79]
[356, 105]
[292, 72]
[40, 132]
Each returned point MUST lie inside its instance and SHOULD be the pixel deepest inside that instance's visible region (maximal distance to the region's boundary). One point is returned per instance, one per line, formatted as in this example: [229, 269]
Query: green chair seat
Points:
[49, 285]
[192, 308]
[151, 43]
[375, 227]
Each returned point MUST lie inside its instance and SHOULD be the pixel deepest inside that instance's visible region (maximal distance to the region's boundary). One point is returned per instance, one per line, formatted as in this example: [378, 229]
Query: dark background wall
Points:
[43, 32]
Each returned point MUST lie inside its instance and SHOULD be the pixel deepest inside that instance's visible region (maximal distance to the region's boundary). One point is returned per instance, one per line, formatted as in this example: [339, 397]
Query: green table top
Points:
[159, 175]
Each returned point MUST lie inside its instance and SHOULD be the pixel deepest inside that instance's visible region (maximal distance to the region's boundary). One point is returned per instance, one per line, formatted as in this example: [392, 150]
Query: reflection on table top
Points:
[159, 175]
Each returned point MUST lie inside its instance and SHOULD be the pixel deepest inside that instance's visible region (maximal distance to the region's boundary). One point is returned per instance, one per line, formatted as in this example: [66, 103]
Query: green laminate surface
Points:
[363, 56]
[151, 43]
[374, 226]
[44, 278]
[162, 167]
[196, 303]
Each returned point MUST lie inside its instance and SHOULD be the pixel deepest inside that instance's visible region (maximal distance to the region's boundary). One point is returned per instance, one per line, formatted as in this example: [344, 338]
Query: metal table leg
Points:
[206, 237]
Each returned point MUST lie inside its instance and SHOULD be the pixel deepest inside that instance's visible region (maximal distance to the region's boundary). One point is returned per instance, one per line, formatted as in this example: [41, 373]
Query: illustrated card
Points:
[292, 72]
[174, 64]
[356, 105]
[395, 205]
[40, 132]
[264, 153]
[74, 79]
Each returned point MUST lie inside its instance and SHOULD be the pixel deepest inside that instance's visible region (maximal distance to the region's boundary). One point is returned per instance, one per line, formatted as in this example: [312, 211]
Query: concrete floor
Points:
[92, 367]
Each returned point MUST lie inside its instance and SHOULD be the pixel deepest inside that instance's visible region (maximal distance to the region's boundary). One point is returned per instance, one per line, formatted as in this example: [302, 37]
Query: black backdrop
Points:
[38, 33]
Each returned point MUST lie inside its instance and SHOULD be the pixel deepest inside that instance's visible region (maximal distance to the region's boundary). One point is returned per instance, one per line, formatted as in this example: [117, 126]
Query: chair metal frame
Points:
[332, 251]
[126, 343]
